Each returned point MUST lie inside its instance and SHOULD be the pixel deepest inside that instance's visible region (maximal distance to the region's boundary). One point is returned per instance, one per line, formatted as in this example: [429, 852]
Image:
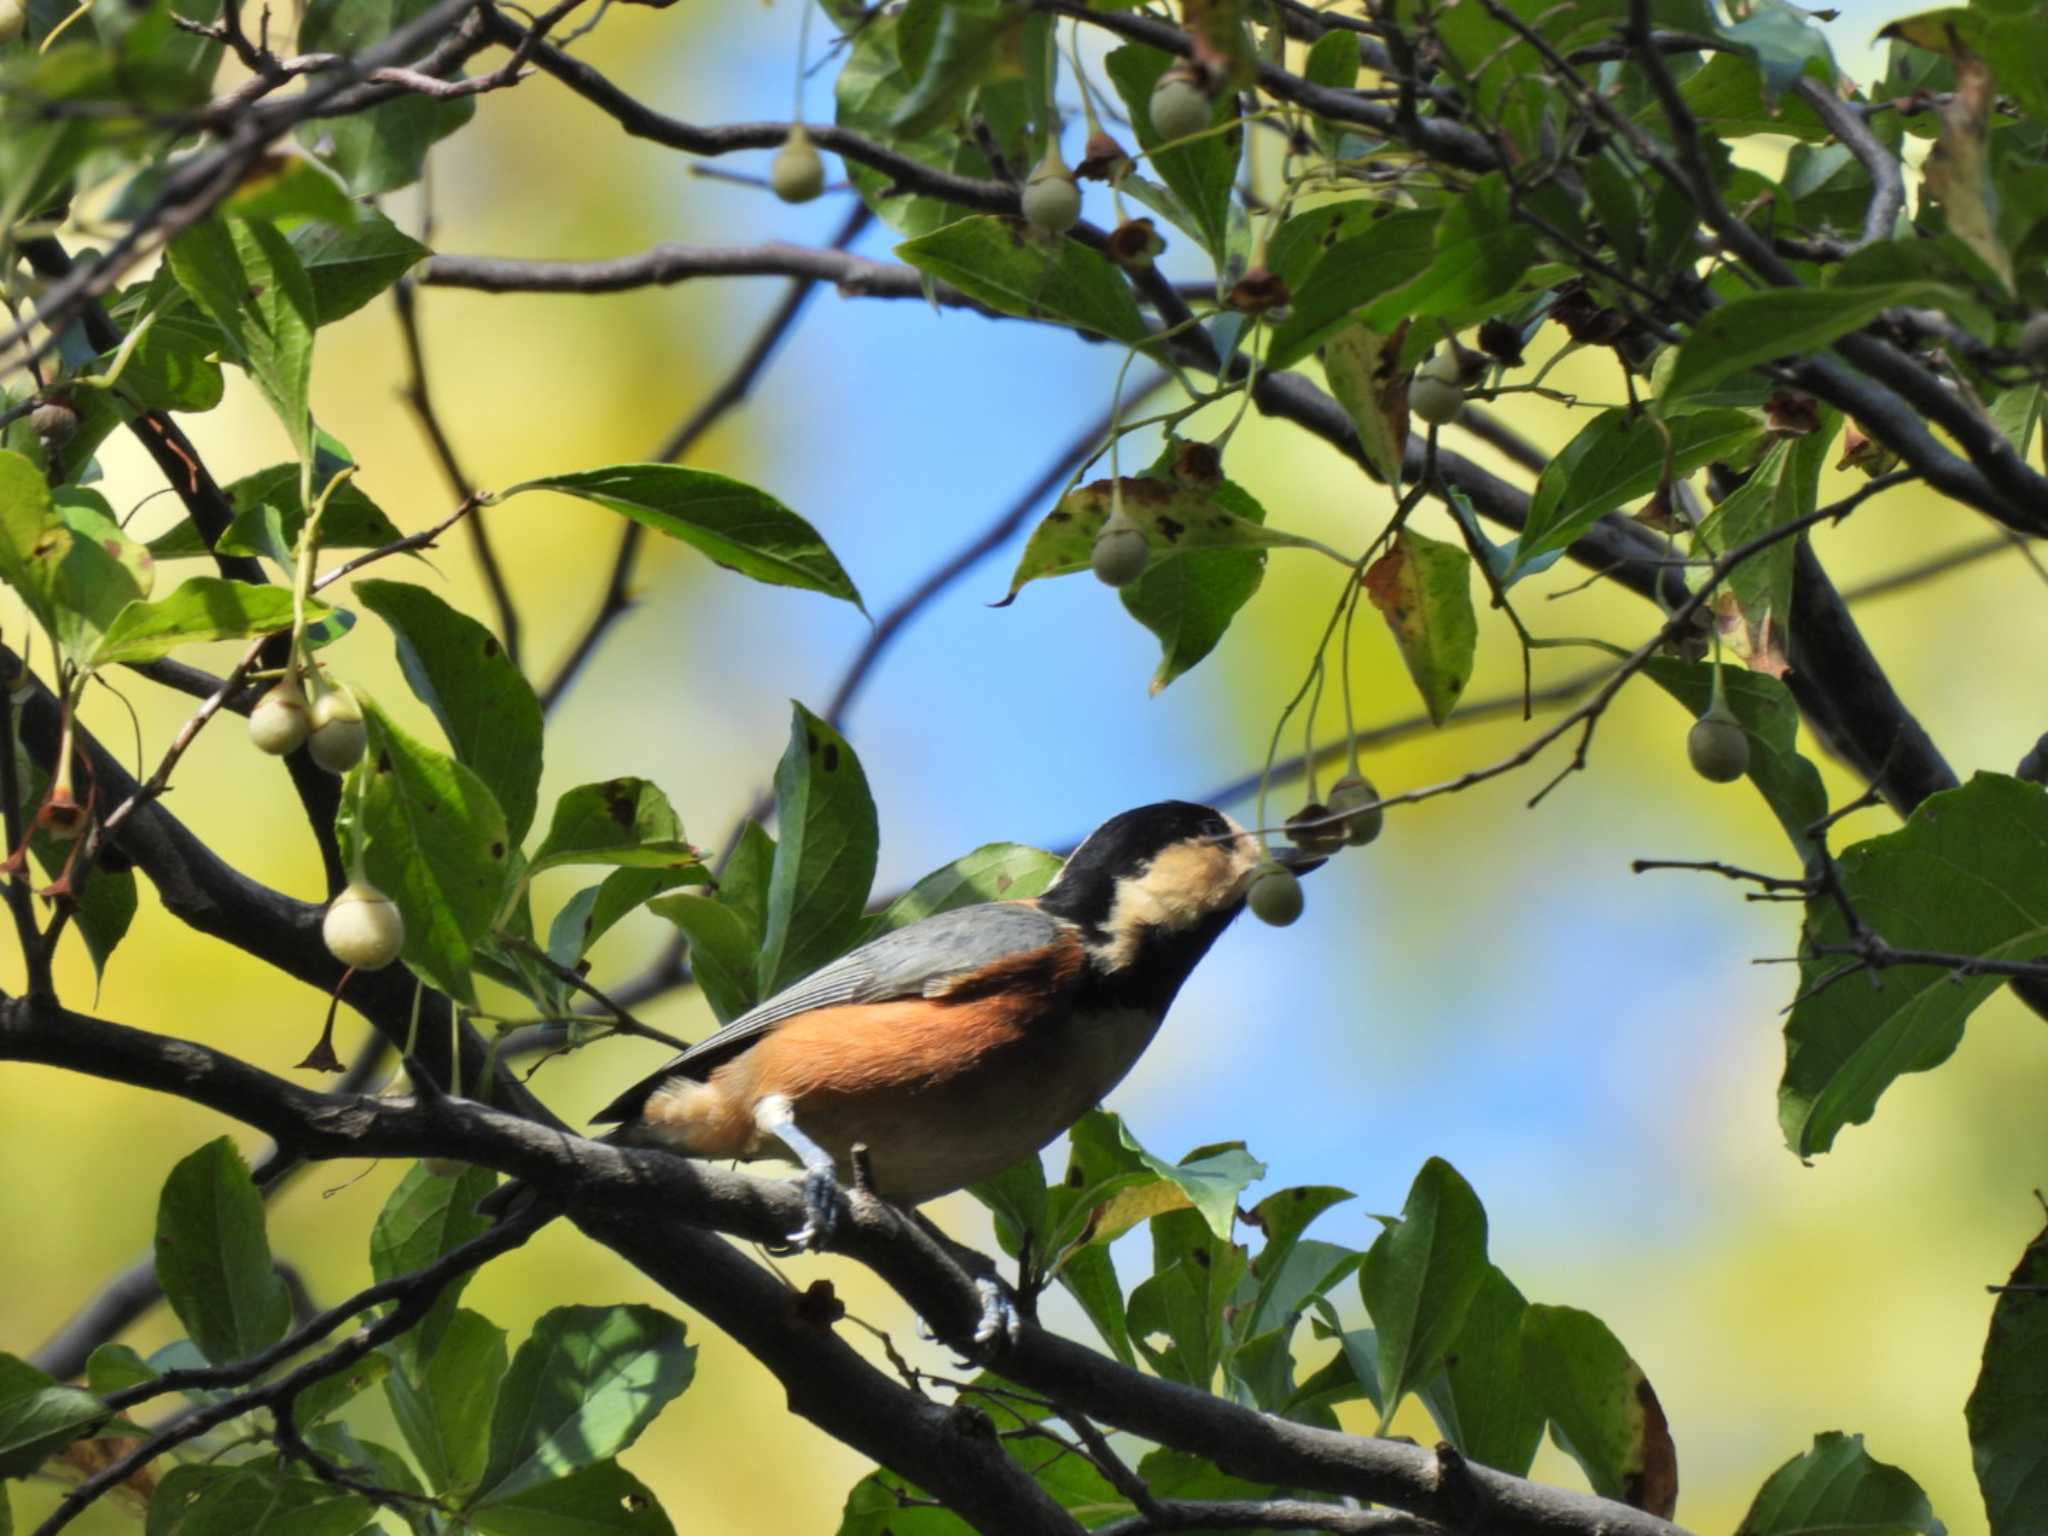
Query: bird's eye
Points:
[1215, 826]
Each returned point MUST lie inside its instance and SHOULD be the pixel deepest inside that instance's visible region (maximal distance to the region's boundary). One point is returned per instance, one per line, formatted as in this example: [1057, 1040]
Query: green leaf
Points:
[425, 1217]
[1202, 174]
[959, 54]
[1783, 322]
[1211, 1179]
[1089, 1276]
[172, 368]
[249, 281]
[431, 837]
[1965, 875]
[2008, 1408]
[738, 526]
[457, 668]
[588, 915]
[1339, 259]
[993, 872]
[599, 1500]
[625, 822]
[443, 1400]
[38, 1417]
[1601, 1408]
[1190, 601]
[1783, 488]
[583, 1386]
[871, 87]
[825, 862]
[256, 1501]
[1764, 708]
[269, 515]
[290, 190]
[1176, 518]
[1184, 1301]
[1420, 1276]
[349, 266]
[202, 608]
[33, 542]
[1423, 588]
[213, 1257]
[725, 950]
[336, 1390]
[1617, 457]
[1482, 252]
[115, 1368]
[1786, 45]
[67, 558]
[1482, 1399]
[385, 147]
[1838, 1488]
[998, 262]
[1289, 1273]
[1103, 1166]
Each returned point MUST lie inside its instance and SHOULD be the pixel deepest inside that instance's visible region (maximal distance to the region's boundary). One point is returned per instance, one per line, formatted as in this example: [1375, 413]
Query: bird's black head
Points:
[1153, 887]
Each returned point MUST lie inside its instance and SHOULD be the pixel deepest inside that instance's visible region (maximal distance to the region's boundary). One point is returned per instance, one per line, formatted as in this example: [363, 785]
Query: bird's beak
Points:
[1300, 861]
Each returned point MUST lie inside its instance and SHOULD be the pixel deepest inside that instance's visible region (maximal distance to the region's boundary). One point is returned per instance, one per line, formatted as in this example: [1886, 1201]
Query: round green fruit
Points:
[279, 724]
[1179, 108]
[1353, 797]
[797, 173]
[1718, 747]
[363, 928]
[338, 734]
[1274, 895]
[1052, 200]
[1313, 829]
[1120, 553]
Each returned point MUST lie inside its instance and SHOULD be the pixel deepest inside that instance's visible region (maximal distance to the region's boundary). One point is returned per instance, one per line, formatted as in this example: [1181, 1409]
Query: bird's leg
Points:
[775, 1116]
[999, 1315]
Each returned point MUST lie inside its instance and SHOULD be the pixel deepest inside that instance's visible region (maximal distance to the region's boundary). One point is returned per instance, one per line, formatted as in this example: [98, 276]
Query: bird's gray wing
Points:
[914, 961]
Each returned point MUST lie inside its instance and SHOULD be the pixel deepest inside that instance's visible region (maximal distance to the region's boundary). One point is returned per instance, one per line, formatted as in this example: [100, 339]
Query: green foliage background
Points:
[1846, 1295]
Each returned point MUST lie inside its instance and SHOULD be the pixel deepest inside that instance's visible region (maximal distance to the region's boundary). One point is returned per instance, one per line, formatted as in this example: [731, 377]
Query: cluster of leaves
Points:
[1445, 1325]
[518, 1444]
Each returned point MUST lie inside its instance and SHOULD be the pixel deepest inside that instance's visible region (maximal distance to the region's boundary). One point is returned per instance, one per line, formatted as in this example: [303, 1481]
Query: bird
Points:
[956, 1046]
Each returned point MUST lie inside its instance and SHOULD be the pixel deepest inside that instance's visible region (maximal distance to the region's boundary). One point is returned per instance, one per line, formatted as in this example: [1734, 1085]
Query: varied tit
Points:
[956, 1046]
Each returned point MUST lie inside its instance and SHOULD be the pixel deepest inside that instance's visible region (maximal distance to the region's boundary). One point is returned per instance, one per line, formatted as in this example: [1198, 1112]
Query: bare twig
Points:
[618, 599]
[421, 399]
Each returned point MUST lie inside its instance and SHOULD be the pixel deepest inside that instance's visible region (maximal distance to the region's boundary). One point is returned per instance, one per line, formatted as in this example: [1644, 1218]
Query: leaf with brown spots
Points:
[626, 823]
[1175, 518]
[1958, 170]
[1364, 369]
[1603, 1411]
[1423, 588]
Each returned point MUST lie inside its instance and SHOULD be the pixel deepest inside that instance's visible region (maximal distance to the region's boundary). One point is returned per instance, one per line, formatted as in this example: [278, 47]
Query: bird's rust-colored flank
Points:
[925, 1084]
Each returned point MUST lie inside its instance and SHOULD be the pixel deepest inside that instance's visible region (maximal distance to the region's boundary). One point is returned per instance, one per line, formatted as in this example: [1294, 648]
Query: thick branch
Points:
[646, 1204]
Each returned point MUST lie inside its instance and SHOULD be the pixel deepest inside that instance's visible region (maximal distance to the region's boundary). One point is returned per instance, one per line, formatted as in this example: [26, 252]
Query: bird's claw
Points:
[821, 1209]
[999, 1315]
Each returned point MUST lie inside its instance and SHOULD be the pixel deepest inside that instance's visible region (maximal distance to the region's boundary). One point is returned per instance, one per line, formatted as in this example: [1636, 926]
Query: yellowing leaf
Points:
[1365, 374]
[1175, 519]
[1959, 168]
[1423, 587]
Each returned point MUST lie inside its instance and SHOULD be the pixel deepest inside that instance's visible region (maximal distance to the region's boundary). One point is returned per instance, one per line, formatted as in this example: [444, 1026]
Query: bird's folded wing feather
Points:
[920, 960]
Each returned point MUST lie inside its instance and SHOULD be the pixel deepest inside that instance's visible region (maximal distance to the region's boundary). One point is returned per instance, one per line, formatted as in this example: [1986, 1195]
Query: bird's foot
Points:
[821, 1209]
[999, 1316]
